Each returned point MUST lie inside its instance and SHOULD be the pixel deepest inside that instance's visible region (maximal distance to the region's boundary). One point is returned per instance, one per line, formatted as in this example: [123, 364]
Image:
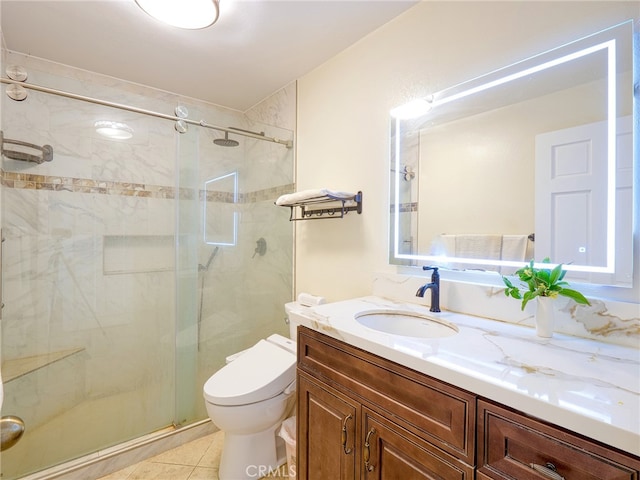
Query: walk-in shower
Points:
[108, 328]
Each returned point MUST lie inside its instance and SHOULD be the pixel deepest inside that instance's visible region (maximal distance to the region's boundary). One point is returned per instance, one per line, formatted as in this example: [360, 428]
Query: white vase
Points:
[545, 317]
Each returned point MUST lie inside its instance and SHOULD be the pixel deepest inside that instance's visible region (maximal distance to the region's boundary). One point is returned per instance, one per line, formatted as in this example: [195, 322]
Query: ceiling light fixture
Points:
[190, 14]
[113, 130]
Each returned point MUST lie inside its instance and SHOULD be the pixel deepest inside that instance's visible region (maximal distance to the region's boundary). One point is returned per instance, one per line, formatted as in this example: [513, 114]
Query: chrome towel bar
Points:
[46, 151]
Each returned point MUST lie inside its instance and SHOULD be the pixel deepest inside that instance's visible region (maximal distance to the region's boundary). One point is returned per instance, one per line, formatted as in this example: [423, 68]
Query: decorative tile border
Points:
[29, 181]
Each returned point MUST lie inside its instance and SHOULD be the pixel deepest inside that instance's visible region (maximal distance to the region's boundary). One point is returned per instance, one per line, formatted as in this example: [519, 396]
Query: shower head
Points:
[226, 141]
[205, 268]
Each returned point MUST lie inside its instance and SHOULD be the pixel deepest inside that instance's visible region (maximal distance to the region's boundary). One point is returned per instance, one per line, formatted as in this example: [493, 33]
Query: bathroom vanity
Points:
[368, 415]
[470, 405]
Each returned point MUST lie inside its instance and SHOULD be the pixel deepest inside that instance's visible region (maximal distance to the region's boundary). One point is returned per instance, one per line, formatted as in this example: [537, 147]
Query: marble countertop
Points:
[589, 387]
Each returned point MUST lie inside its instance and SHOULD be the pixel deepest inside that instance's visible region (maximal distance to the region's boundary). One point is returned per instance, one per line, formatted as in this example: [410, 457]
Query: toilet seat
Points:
[262, 372]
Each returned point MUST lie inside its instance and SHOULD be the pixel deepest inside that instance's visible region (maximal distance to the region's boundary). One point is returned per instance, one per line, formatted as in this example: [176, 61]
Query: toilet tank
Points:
[295, 316]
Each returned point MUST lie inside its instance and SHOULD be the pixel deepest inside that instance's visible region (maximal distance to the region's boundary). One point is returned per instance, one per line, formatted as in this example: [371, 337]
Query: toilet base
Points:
[246, 457]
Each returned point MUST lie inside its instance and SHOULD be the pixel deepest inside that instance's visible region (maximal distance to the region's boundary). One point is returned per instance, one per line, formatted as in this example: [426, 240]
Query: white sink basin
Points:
[406, 324]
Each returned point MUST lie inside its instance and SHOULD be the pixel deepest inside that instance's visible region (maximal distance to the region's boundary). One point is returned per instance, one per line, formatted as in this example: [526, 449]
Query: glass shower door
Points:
[88, 266]
[235, 248]
[187, 241]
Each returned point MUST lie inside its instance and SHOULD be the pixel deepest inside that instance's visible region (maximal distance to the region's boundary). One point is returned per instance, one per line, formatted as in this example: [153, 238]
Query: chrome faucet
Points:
[434, 286]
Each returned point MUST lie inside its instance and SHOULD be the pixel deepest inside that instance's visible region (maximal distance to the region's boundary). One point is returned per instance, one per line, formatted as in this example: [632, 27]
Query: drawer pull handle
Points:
[548, 470]
[344, 434]
[367, 451]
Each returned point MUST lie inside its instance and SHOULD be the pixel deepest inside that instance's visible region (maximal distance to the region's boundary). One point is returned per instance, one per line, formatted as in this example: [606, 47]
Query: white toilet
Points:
[249, 398]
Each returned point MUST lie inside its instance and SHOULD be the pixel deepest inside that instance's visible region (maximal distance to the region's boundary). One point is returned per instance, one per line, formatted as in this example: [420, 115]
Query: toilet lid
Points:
[261, 373]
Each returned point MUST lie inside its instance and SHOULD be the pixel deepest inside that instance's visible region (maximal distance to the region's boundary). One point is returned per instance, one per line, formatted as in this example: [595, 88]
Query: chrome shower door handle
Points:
[11, 430]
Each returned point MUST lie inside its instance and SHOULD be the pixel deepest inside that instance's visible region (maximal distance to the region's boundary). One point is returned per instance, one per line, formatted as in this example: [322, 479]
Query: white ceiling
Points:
[255, 48]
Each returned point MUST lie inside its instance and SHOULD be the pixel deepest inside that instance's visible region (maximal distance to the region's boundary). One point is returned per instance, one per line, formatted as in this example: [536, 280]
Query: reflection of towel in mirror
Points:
[493, 247]
[479, 246]
[444, 245]
[514, 247]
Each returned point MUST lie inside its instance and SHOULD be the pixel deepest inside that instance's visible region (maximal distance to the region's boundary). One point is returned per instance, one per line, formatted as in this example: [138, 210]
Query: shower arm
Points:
[129, 108]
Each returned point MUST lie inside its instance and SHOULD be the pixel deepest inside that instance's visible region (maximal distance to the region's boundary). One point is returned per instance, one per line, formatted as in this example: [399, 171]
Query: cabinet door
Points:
[439, 413]
[512, 445]
[326, 432]
[390, 452]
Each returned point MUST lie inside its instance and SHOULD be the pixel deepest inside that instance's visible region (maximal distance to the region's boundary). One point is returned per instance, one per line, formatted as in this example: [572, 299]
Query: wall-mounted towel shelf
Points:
[45, 155]
[324, 208]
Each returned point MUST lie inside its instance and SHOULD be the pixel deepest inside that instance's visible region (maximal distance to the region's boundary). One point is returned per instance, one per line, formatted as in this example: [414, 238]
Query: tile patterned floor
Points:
[196, 460]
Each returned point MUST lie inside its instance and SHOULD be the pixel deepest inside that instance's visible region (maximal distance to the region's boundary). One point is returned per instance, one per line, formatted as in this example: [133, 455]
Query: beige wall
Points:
[343, 107]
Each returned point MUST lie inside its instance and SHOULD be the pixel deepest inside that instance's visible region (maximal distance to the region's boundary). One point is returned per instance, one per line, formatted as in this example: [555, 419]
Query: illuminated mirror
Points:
[529, 161]
[220, 210]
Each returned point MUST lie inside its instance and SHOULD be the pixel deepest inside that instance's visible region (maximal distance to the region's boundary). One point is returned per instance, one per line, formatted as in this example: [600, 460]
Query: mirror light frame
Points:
[527, 67]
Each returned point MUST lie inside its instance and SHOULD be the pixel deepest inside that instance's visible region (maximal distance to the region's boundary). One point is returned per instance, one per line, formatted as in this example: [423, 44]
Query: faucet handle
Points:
[435, 276]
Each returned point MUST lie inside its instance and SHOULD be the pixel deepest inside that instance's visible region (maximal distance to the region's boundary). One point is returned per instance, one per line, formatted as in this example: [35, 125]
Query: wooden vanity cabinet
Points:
[364, 417]
[511, 445]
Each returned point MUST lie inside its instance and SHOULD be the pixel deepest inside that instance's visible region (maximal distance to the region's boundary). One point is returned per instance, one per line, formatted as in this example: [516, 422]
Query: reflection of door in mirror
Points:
[571, 200]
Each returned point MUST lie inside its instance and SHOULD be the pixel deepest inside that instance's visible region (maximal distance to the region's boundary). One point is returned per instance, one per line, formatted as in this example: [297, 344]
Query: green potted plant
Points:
[544, 284]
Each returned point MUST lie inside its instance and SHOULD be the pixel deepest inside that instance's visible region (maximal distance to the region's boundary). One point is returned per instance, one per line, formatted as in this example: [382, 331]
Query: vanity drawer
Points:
[510, 442]
[437, 412]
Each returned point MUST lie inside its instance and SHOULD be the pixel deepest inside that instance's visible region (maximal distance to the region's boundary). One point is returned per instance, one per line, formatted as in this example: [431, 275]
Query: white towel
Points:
[290, 199]
[331, 204]
[514, 247]
[444, 245]
[479, 246]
